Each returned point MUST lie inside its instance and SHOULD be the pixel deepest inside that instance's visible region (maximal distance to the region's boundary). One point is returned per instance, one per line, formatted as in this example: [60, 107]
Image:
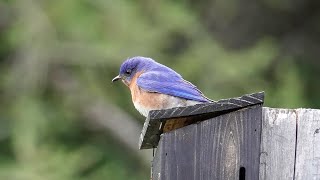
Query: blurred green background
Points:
[62, 118]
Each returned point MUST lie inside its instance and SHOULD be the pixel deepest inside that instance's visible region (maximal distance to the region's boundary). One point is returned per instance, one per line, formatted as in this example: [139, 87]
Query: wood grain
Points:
[199, 109]
[151, 130]
[308, 145]
[218, 147]
[156, 122]
[278, 144]
[212, 149]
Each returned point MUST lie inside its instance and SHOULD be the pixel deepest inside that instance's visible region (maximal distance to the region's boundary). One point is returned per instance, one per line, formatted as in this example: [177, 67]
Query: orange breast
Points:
[135, 90]
[145, 101]
[143, 98]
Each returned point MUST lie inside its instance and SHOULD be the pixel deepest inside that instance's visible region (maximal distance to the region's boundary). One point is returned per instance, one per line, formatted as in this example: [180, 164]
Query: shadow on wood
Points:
[160, 121]
[224, 147]
[234, 139]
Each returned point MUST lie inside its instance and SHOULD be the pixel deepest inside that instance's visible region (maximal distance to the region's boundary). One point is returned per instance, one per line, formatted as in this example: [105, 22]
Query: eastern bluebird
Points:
[155, 86]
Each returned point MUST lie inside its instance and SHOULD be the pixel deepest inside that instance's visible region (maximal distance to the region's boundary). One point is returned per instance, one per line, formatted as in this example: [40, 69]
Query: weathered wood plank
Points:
[199, 109]
[278, 144]
[166, 120]
[151, 130]
[308, 145]
[212, 149]
[157, 163]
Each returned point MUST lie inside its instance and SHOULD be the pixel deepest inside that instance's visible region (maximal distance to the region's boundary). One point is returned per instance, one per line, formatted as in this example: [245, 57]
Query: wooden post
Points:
[234, 139]
[290, 146]
[224, 147]
[160, 121]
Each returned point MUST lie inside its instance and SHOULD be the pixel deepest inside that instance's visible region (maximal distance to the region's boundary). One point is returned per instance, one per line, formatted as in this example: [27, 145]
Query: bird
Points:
[155, 86]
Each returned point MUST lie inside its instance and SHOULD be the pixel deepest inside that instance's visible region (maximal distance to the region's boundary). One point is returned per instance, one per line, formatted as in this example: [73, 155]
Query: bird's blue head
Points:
[131, 67]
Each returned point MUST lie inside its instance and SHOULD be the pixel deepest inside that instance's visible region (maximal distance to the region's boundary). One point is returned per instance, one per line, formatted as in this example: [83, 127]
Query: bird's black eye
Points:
[128, 71]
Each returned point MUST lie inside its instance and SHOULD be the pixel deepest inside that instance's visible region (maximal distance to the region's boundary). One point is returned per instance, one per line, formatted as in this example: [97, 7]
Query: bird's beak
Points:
[116, 78]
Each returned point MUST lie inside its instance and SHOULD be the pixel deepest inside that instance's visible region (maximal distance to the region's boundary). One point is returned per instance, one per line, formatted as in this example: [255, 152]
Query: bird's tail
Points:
[209, 100]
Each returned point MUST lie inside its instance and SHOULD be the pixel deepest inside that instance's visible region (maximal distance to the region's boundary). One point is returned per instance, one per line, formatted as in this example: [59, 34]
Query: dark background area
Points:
[62, 118]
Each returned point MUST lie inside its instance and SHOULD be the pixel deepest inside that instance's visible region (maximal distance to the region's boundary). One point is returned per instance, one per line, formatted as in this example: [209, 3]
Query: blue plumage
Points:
[165, 82]
[154, 86]
[159, 78]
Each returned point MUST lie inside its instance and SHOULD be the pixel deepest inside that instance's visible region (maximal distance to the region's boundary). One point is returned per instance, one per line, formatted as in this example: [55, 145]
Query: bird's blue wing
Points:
[170, 83]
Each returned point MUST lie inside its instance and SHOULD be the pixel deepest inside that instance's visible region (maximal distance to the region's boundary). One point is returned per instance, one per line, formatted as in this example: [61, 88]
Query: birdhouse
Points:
[233, 138]
[220, 140]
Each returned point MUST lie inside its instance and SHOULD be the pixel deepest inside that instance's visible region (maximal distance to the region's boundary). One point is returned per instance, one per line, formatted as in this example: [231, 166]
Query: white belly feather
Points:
[165, 102]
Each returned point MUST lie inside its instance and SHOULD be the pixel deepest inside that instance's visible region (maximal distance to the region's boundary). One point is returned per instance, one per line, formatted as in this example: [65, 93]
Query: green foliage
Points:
[57, 59]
